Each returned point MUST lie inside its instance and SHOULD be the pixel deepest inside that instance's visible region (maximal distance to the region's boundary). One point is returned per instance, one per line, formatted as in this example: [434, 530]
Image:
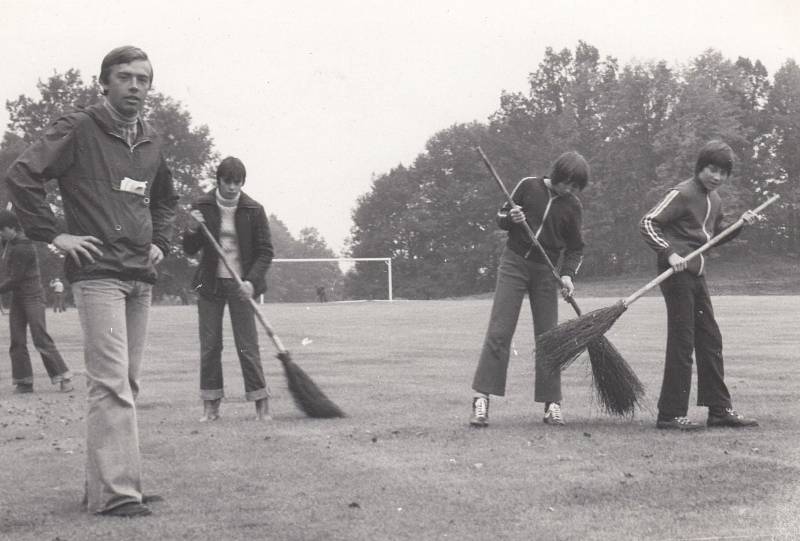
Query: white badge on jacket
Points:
[133, 186]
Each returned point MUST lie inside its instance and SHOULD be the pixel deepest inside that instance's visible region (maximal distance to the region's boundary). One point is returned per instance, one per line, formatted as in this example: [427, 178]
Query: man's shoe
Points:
[151, 498]
[480, 412]
[678, 423]
[730, 418]
[262, 410]
[23, 388]
[552, 415]
[66, 386]
[127, 510]
[210, 410]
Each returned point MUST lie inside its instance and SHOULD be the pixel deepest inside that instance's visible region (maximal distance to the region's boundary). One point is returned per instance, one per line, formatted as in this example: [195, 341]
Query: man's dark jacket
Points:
[90, 159]
[253, 237]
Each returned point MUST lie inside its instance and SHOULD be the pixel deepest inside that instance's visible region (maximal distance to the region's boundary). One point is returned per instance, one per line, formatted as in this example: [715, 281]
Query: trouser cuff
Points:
[58, 378]
[211, 394]
[258, 394]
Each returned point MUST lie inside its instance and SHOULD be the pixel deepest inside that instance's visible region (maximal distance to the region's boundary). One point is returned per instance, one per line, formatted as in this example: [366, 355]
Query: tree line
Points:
[639, 125]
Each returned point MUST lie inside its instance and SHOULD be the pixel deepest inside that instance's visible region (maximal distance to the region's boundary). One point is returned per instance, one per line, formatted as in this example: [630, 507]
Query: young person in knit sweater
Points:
[240, 226]
[554, 213]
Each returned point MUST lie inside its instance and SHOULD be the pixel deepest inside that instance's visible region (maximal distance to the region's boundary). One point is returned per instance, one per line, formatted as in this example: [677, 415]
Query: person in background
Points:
[58, 294]
[239, 225]
[23, 281]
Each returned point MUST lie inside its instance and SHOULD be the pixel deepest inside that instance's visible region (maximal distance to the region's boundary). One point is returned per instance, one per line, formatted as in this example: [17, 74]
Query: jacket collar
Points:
[210, 198]
[100, 114]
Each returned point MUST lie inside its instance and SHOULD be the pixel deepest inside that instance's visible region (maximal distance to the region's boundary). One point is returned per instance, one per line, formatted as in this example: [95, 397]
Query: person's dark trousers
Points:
[691, 326]
[30, 312]
[517, 276]
[210, 309]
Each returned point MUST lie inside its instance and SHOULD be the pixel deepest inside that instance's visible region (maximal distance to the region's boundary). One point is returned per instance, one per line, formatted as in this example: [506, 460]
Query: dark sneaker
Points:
[128, 510]
[730, 418]
[480, 412]
[552, 415]
[678, 423]
[23, 388]
[66, 386]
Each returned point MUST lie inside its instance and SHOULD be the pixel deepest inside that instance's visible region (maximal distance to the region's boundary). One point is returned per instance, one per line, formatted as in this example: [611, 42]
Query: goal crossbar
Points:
[386, 260]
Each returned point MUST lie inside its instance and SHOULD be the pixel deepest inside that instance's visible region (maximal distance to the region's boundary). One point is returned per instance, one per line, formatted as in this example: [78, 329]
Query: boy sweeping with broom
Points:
[554, 214]
[686, 218]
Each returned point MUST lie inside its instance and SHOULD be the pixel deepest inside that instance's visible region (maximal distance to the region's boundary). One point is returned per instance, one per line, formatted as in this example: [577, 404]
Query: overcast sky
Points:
[315, 97]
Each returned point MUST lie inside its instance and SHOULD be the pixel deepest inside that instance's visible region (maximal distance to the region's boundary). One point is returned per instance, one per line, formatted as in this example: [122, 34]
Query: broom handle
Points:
[527, 228]
[259, 316]
[712, 242]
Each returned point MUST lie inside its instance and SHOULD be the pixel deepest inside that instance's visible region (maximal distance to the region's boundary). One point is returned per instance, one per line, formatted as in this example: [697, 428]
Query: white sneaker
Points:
[480, 412]
[553, 414]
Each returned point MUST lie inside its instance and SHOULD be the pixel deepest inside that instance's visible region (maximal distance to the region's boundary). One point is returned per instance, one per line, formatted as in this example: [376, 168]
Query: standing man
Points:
[23, 281]
[119, 206]
[58, 294]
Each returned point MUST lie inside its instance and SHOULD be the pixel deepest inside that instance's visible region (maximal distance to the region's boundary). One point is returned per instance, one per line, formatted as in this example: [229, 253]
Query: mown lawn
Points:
[404, 464]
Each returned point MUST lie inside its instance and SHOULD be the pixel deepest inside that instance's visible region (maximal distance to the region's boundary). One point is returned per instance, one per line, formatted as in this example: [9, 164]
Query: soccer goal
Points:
[301, 267]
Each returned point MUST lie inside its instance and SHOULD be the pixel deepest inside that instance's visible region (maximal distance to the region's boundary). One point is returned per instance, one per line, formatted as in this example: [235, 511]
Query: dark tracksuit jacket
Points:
[686, 218]
[91, 160]
[555, 219]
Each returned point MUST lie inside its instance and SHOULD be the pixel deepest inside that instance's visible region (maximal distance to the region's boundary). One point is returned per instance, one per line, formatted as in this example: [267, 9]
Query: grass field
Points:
[404, 464]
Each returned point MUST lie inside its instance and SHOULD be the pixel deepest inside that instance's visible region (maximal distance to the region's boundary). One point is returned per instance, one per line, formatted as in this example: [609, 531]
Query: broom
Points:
[305, 392]
[617, 388]
[561, 345]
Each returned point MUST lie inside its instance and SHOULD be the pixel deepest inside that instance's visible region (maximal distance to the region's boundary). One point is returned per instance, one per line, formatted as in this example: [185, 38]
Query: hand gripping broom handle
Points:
[261, 319]
[527, 227]
[712, 242]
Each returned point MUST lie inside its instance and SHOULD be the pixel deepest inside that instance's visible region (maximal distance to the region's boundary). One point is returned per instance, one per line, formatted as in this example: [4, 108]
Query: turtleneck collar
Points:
[221, 201]
[118, 117]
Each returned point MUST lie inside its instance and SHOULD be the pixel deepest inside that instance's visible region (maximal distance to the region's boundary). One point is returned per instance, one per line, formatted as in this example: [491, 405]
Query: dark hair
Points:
[122, 55]
[717, 153]
[231, 168]
[570, 168]
[9, 219]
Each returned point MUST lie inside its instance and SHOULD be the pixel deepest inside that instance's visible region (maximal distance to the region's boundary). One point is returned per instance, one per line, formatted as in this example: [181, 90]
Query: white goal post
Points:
[386, 260]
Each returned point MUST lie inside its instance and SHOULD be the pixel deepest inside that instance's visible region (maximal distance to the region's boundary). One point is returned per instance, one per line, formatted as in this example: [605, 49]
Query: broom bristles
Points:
[617, 388]
[305, 392]
[557, 348]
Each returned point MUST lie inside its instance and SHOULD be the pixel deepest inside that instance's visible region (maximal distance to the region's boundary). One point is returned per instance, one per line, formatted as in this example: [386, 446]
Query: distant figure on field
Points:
[119, 208]
[688, 216]
[555, 214]
[239, 225]
[23, 280]
[322, 296]
[58, 294]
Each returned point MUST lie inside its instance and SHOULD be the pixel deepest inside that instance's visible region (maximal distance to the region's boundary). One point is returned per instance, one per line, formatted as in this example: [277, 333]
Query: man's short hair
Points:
[122, 55]
[717, 153]
[231, 168]
[570, 168]
[9, 219]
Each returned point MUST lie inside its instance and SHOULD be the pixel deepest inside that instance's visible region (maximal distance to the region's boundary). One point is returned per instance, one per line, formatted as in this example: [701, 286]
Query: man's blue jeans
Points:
[517, 276]
[113, 315]
[210, 310]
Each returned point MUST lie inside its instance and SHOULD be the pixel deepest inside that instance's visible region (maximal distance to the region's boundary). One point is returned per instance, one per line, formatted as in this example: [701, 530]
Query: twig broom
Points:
[561, 345]
[617, 388]
[305, 392]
